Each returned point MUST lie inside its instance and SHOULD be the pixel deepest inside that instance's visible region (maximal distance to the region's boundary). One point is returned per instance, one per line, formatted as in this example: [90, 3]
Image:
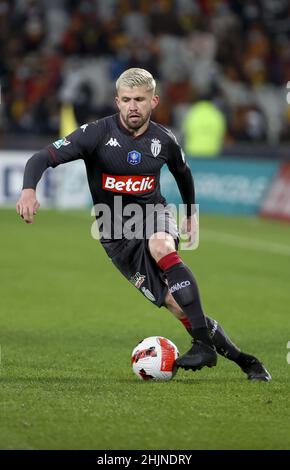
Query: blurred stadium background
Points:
[73, 50]
[222, 68]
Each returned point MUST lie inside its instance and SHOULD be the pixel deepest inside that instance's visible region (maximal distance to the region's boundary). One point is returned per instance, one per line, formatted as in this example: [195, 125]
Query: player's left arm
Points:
[182, 174]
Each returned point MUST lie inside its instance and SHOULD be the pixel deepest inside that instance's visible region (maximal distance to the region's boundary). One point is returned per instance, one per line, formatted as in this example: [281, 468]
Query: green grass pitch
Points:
[69, 322]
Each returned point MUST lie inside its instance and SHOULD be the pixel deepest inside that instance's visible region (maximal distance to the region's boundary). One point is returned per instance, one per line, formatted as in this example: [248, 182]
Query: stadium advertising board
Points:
[12, 164]
[65, 187]
[277, 201]
[226, 186]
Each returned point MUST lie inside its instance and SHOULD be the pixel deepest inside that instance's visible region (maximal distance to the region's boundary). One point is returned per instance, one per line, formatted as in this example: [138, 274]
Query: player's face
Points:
[135, 106]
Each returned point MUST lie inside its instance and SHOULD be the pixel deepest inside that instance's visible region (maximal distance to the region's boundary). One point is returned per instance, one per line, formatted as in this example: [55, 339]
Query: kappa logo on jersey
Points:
[155, 147]
[138, 280]
[128, 184]
[134, 157]
[58, 143]
[113, 142]
[178, 286]
[84, 126]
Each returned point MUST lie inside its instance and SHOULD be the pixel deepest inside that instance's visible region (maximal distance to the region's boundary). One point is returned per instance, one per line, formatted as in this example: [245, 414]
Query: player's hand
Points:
[27, 205]
[189, 227]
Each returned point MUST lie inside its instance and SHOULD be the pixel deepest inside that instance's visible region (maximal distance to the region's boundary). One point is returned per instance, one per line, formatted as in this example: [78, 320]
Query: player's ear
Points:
[117, 101]
[154, 101]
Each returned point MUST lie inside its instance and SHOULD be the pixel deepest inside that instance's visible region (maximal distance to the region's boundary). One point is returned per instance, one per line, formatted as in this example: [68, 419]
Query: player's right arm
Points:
[78, 144]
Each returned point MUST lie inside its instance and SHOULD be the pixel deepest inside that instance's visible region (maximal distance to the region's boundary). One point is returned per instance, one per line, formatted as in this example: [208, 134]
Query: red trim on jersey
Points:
[169, 260]
[53, 154]
[186, 323]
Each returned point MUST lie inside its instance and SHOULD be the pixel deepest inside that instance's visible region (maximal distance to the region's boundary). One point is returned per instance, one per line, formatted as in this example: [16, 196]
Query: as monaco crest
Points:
[155, 147]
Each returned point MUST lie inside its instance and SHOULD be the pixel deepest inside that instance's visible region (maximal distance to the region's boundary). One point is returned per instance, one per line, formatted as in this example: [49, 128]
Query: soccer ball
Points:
[153, 359]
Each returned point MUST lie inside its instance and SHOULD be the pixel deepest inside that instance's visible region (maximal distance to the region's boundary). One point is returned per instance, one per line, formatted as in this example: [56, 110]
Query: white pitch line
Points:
[244, 242]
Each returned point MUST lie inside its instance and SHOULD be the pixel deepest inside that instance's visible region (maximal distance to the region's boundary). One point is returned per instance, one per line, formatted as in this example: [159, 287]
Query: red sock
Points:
[186, 323]
[169, 260]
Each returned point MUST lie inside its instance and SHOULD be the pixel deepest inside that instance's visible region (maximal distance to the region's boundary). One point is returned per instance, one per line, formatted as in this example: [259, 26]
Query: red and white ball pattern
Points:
[154, 357]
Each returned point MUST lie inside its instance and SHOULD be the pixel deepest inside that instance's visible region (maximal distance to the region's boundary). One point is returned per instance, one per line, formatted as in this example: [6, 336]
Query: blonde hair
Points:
[136, 77]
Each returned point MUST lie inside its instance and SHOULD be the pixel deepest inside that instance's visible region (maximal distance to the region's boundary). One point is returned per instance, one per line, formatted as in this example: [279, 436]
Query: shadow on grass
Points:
[96, 381]
[100, 380]
[184, 381]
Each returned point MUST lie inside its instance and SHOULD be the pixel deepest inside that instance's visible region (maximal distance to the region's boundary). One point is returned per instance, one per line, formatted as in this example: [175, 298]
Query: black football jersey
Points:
[118, 165]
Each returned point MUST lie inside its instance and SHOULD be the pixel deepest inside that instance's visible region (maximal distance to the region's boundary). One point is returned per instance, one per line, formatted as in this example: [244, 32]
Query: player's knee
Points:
[160, 248]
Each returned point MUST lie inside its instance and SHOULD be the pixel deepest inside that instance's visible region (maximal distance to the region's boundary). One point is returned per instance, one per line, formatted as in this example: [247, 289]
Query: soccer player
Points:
[123, 155]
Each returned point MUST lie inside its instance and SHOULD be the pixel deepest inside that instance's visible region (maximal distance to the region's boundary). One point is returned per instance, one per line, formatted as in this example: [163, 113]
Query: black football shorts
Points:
[135, 262]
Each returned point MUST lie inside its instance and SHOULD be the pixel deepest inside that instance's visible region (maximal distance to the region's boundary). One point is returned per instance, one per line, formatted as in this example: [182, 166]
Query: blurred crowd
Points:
[232, 53]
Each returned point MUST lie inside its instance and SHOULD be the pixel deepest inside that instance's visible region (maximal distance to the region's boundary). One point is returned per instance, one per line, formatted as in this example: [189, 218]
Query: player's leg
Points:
[133, 260]
[249, 364]
[184, 289]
